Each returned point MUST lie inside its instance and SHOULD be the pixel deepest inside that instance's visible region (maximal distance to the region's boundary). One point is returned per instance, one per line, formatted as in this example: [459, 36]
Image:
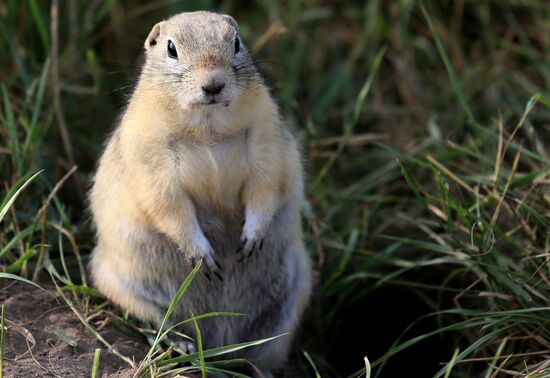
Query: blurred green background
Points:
[425, 130]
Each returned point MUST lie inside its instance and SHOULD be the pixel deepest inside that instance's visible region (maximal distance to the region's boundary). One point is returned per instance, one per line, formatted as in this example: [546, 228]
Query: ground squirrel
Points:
[202, 166]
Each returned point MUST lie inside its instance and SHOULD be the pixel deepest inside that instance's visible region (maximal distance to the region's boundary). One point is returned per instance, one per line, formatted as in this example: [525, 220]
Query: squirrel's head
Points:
[200, 61]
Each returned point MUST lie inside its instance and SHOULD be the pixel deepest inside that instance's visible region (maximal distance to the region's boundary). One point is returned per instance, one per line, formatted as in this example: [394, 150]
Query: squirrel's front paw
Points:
[202, 249]
[252, 239]
[187, 347]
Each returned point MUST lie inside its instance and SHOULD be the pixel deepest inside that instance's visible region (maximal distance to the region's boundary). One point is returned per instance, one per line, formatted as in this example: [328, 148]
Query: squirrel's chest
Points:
[212, 173]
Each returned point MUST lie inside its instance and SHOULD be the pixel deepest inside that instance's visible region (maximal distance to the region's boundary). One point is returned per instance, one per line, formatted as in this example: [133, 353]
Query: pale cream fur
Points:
[178, 177]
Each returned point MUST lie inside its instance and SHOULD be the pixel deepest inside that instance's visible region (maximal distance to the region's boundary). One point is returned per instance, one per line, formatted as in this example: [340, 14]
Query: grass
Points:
[95, 366]
[2, 332]
[425, 130]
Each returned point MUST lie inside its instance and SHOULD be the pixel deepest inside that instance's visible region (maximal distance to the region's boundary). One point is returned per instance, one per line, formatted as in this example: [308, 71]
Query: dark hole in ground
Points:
[371, 326]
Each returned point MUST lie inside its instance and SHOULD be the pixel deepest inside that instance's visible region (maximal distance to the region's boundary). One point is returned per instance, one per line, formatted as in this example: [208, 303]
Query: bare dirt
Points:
[32, 349]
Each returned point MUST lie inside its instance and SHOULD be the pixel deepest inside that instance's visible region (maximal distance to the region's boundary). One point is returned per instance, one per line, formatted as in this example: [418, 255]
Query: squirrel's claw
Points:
[212, 266]
[241, 246]
[256, 246]
[252, 250]
[248, 246]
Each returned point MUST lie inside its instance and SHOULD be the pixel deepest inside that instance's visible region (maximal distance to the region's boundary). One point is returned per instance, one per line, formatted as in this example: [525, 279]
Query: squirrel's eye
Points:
[237, 44]
[172, 53]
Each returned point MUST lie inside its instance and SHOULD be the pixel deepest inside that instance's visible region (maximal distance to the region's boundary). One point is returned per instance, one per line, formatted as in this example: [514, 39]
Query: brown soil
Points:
[32, 349]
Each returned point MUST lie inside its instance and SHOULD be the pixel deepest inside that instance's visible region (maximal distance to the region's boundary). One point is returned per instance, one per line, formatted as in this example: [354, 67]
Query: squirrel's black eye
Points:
[237, 44]
[172, 53]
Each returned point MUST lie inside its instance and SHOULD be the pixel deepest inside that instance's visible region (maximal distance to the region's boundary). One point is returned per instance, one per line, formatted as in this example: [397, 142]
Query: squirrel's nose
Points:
[213, 88]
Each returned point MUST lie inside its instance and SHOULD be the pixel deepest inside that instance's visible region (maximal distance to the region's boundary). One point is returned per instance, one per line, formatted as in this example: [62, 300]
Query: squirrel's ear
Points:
[232, 21]
[153, 36]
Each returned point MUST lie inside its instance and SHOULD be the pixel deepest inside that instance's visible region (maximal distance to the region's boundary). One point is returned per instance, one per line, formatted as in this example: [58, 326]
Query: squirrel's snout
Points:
[211, 81]
[212, 88]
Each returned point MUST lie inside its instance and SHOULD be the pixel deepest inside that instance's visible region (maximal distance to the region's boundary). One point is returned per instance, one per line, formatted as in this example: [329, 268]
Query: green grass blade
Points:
[95, 365]
[230, 373]
[198, 317]
[9, 276]
[33, 132]
[199, 346]
[15, 54]
[64, 337]
[16, 239]
[14, 188]
[365, 89]
[368, 369]
[62, 258]
[40, 21]
[104, 10]
[357, 110]
[494, 361]
[312, 364]
[11, 126]
[173, 303]
[451, 364]
[457, 89]
[474, 346]
[84, 290]
[10, 200]
[346, 256]
[17, 264]
[219, 351]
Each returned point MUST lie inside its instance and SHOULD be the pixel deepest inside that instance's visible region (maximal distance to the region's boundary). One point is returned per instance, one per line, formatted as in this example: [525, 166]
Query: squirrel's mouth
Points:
[210, 102]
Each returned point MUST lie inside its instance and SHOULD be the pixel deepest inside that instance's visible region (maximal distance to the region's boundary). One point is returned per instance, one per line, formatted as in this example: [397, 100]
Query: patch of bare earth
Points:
[32, 349]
